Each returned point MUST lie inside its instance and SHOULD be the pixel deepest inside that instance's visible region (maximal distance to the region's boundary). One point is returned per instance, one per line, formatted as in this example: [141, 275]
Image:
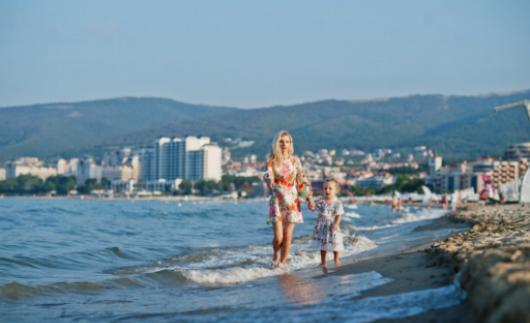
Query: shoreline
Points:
[413, 270]
[493, 259]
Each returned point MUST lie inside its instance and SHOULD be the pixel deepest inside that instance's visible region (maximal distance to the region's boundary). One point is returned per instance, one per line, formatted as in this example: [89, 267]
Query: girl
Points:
[286, 181]
[327, 236]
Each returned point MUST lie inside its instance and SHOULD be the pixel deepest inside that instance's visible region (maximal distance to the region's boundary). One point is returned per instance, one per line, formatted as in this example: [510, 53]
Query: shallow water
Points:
[66, 260]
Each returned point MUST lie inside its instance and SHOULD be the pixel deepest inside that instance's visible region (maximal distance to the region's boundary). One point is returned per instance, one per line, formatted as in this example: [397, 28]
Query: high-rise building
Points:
[147, 164]
[192, 158]
[434, 164]
[212, 162]
[161, 160]
[88, 169]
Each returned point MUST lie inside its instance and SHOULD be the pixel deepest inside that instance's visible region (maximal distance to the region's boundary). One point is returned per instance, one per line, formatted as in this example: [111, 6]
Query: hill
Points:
[47, 130]
[456, 126]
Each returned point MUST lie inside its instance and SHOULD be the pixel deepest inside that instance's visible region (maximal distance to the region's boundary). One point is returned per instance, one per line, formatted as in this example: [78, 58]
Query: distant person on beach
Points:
[396, 202]
[326, 235]
[288, 185]
[445, 201]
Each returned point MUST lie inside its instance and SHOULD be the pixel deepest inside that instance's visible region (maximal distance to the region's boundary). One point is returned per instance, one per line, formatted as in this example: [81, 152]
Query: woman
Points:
[288, 185]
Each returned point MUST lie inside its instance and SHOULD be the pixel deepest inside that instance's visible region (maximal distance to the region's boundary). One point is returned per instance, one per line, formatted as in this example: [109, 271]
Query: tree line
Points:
[63, 185]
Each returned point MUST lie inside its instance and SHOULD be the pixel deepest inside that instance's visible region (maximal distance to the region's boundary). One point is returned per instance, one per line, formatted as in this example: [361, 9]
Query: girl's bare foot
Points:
[325, 269]
[275, 264]
[337, 263]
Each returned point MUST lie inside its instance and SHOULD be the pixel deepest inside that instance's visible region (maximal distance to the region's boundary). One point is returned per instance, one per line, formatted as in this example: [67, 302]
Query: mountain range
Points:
[455, 126]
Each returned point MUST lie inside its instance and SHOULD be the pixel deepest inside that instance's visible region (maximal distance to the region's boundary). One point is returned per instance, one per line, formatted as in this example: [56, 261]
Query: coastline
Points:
[414, 270]
[494, 261]
[490, 261]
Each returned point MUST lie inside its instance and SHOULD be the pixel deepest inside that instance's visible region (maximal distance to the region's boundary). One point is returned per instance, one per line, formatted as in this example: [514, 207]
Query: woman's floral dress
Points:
[323, 236]
[288, 186]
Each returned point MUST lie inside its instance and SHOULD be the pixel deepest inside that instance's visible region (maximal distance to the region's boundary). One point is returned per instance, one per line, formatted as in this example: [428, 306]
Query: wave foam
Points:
[232, 266]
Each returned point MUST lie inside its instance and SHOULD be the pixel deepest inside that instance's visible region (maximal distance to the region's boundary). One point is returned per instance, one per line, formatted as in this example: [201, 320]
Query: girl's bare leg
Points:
[323, 261]
[288, 229]
[336, 258]
[277, 229]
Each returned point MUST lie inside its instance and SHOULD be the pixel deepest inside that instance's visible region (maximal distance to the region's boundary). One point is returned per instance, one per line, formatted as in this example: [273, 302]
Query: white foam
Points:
[232, 266]
[407, 217]
[352, 215]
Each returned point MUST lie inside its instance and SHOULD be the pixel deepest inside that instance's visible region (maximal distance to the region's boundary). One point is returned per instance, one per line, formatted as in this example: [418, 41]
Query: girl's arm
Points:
[338, 218]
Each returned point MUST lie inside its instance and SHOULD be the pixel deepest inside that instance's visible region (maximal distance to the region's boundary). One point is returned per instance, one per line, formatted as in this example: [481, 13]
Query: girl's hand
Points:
[311, 204]
[336, 228]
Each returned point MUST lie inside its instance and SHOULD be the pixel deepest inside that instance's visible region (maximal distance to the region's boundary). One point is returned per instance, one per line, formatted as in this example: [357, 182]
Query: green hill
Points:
[456, 126]
[46, 130]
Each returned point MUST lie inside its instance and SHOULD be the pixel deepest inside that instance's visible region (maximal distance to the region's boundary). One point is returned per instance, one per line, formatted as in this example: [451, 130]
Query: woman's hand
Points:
[336, 228]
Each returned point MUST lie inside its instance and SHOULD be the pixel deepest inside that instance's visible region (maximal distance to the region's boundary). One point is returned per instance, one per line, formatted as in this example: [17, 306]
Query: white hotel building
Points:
[192, 158]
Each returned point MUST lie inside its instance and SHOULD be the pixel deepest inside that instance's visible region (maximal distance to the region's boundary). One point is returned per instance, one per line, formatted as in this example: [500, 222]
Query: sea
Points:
[65, 260]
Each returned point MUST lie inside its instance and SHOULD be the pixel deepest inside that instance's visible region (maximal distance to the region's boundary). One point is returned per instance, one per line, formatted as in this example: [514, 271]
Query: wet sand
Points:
[414, 270]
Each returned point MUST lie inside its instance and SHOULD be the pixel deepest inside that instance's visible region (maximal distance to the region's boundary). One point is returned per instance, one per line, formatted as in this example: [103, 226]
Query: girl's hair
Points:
[276, 154]
[334, 182]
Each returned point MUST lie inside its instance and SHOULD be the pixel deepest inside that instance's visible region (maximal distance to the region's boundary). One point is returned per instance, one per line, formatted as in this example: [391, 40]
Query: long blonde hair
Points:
[276, 153]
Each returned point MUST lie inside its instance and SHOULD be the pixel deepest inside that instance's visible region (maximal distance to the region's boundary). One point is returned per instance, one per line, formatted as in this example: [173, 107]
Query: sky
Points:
[250, 54]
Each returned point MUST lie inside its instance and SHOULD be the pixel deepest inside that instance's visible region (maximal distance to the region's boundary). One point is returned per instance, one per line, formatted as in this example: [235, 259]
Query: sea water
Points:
[129, 260]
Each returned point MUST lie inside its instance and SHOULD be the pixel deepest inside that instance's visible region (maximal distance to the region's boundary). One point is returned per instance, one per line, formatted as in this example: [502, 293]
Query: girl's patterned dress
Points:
[323, 236]
[288, 186]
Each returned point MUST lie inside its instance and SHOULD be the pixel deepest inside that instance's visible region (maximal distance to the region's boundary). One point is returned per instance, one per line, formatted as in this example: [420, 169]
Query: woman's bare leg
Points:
[288, 229]
[277, 241]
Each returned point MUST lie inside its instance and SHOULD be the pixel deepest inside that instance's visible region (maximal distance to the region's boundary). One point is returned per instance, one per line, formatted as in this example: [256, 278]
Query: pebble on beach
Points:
[494, 261]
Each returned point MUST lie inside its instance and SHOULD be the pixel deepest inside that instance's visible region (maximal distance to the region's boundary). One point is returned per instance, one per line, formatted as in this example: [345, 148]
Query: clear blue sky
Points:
[260, 53]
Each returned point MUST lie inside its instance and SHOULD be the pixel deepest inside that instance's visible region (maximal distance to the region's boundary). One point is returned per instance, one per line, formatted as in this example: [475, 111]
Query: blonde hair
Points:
[276, 153]
[334, 182]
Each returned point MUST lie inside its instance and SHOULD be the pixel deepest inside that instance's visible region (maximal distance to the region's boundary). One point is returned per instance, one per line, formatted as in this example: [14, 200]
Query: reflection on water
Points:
[299, 290]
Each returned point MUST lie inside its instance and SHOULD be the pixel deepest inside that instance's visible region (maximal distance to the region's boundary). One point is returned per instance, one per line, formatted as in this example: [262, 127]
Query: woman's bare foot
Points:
[275, 264]
[325, 269]
[337, 263]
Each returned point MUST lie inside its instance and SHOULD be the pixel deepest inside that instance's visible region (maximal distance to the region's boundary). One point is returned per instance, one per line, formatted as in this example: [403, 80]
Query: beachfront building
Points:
[508, 171]
[517, 151]
[190, 158]
[29, 166]
[88, 169]
[67, 167]
[434, 164]
[146, 164]
[376, 182]
[121, 164]
[126, 187]
[476, 174]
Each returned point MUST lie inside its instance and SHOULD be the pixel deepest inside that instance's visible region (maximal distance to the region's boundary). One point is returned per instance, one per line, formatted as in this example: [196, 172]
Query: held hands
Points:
[311, 204]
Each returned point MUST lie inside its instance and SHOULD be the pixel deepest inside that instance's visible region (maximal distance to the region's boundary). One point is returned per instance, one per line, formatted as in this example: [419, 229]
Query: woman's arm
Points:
[302, 184]
[268, 176]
